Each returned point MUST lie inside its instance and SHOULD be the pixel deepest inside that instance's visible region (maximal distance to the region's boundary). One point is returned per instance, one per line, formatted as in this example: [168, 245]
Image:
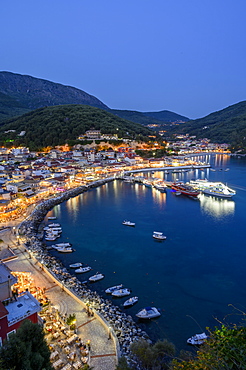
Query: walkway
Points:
[102, 354]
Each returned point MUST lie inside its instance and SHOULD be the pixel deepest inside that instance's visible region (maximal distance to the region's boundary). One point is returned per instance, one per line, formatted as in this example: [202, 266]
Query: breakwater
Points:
[124, 330]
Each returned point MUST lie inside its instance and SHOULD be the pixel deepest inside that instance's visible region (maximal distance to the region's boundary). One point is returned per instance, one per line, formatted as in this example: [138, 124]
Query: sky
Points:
[185, 56]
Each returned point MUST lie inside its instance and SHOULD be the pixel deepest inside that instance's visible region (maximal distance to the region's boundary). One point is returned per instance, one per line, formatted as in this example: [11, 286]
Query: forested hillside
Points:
[62, 124]
[227, 125]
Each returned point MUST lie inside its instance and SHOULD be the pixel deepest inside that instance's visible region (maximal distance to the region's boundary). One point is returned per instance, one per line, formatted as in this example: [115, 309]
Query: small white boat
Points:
[76, 265]
[148, 313]
[52, 218]
[130, 302]
[50, 238]
[113, 288]
[65, 250]
[121, 292]
[81, 270]
[128, 223]
[158, 235]
[197, 339]
[54, 225]
[61, 245]
[177, 193]
[96, 277]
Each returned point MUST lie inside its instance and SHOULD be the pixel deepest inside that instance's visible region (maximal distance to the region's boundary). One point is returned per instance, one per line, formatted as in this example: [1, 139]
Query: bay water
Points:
[196, 277]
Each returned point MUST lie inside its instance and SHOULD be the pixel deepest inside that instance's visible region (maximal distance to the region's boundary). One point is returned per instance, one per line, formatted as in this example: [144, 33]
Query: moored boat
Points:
[65, 250]
[197, 339]
[81, 270]
[130, 302]
[184, 189]
[52, 218]
[61, 245]
[159, 235]
[113, 288]
[128, 223]
[96, 277]
[217, 189]
[121, 292]
[148, 313]
[76, 265]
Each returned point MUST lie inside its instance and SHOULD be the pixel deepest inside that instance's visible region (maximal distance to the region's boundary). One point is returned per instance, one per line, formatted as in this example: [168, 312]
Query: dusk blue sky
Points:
[186, 56]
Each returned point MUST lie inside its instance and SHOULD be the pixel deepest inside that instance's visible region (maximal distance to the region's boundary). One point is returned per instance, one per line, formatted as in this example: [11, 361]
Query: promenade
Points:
[102, 354]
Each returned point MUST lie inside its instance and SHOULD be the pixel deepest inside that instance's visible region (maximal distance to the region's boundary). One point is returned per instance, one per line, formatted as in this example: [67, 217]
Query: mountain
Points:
[57, 125]
[31, 93]
[227, 125]
[21, 93]
[160, 119]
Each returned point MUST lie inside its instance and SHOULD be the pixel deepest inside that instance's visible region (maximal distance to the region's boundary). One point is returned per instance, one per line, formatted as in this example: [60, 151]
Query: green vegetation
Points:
[226, 350]
[148, 356]
[26, 349]
[52, 126]
[225, 126]
[154, 153]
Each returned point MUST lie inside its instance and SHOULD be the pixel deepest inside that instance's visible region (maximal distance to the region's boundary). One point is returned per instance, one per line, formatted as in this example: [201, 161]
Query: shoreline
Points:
[122, 328]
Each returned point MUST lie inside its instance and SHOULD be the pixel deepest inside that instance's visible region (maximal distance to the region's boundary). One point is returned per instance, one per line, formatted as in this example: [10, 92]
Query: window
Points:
[11, 332]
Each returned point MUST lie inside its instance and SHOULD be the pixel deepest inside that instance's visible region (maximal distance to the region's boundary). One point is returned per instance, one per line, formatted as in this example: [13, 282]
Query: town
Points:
[28, 177]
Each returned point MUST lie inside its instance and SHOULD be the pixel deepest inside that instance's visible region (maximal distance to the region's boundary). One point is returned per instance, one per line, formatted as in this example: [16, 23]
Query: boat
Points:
[177, 193]
[50, 238]
[217, 189]
[113, 288]
[81, 270]
[161, 188]
[128, 223]
[130, 302]
[65, 250]
[197, 339]
[121, 292]
[52, 218]
[96, 277]
[61, 245]
[159, 235]
[184, 189]
[76, 265]
[54, 225]
[148, 313]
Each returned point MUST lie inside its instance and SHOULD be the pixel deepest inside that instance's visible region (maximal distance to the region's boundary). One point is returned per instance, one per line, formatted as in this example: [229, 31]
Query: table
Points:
[72, 338]
[67, 367]
[54, 355]
[57, 364]
[77, 365]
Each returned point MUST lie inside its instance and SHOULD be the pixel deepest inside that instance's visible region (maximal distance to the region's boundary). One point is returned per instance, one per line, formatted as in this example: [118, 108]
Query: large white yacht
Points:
[217, 189]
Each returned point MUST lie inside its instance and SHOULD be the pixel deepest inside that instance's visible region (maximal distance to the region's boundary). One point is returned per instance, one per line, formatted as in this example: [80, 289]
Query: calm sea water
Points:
[194, 276]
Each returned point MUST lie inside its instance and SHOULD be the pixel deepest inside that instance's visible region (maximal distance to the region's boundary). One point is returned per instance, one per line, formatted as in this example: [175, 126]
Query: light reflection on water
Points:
[216, 207]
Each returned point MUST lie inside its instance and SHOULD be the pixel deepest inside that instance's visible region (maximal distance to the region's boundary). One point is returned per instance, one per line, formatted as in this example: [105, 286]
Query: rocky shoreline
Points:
[124, 327]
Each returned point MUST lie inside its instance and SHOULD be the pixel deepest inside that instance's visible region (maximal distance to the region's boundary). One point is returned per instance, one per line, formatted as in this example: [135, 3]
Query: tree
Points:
[26, 349]
[155, 356]
[226, 350]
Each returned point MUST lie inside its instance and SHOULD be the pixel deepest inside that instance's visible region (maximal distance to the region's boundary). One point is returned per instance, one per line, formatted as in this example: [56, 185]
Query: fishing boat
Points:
[113, 288]
[76, 265]
[148, 313]
[130, 302]
[121, 292]
[184, 189]
[197, 339]
[159, 235]
[81, 270]
[96, 277]
[128, 223]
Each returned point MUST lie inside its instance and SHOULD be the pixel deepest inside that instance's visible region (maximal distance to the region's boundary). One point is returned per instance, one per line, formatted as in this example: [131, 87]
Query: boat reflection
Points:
[216, 207]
